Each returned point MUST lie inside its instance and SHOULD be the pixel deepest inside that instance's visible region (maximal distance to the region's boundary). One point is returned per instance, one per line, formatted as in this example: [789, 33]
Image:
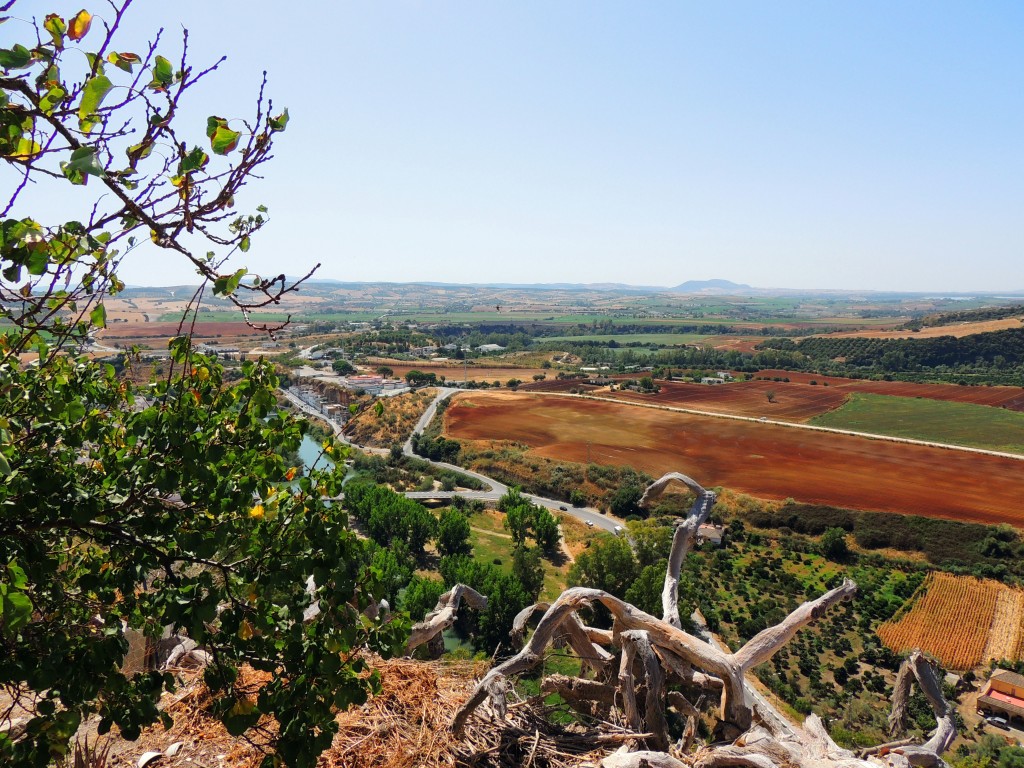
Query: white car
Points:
[590, 523]
[618, 529]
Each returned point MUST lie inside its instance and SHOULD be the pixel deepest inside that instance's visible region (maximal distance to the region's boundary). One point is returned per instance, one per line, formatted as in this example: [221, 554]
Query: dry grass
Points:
[407, 724]
[395, 423]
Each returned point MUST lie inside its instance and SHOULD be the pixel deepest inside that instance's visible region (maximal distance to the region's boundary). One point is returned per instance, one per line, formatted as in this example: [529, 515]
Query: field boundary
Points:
[791, 425]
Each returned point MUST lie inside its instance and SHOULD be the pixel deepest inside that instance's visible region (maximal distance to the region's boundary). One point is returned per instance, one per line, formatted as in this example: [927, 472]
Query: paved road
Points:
[495, 489]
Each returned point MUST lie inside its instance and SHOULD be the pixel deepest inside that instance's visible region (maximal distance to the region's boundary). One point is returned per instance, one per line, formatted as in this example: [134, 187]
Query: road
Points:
[495, 490]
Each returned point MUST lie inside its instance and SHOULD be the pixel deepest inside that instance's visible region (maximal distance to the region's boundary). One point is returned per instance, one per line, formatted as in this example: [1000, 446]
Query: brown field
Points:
[764, 460]
[559, 385]
[155, 335]
[960, 620]
[958, 330]
[793, 402]
[999, 397]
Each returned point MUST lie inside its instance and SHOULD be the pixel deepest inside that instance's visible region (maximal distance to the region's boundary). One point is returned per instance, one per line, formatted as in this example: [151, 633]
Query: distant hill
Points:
[710, 286]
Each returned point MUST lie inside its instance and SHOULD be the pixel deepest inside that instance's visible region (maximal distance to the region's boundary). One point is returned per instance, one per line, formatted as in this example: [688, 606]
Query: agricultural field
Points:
[456, 371]
[790, 402]
[960, 620]
[155, 335]
[657, 339]
[957, 330]
[977, 426]
[1011, 398]
[763, 460]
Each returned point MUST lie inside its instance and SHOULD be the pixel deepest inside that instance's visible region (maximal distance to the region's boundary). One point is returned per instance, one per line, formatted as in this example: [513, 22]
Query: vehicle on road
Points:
[999, 722]
[618, 529]
[590, 523]
[564, 509]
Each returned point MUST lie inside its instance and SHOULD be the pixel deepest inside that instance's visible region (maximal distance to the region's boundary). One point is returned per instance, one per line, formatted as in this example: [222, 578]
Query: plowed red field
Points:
[764, 460]
[793, 402]
[167, 330]
[1000, 397]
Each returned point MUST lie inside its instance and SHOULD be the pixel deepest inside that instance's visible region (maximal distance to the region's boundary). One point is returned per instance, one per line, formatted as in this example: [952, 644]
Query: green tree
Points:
[625, 501]
[343, 367]
[545, 530]
[420, 596]
[170, 505]
[528, 568]
[517, 523]
[833, 544]
[453, 533]
[608, 564]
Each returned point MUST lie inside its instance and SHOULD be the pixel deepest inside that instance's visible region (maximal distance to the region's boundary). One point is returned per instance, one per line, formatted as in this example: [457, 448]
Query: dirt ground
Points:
[958, 330]
[764, 460]
[793, 402]
[999, 397]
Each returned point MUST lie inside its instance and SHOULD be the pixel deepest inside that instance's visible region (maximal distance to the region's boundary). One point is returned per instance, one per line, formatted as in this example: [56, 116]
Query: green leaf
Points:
[228, 284]
[55, 25]
[15, 58]
[123, 61]
[85, 160]
[98, 316]
[244, 245]
[280, 122]
[5, 468]
[26, 150]
[17, 575]
[15, 608]
[224, 140]
[194, 160]
[92, 97]
[163, 74]
[53, 98]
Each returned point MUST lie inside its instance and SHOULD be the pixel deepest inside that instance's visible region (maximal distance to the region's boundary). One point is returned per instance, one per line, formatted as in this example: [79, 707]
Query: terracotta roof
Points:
[1008, 677]
[1001, 706]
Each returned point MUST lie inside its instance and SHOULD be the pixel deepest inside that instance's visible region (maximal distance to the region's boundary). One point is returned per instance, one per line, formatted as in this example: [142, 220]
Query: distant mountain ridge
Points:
[710, 286]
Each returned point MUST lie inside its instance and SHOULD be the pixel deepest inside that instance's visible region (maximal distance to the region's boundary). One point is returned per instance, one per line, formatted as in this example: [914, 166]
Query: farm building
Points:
[712, 380]
[710, 534]
[1004, 695]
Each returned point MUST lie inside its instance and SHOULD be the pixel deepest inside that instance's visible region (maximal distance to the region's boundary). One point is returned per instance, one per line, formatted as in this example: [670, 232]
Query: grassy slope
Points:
[977, 426]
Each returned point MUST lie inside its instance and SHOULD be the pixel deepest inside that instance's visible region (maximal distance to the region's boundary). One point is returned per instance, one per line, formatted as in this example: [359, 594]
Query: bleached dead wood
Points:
[682, 540]
[652, 648]
[444, 614]
[637, 646]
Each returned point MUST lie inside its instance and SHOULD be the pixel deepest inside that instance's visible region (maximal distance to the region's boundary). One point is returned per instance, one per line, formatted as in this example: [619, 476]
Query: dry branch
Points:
[444, 615]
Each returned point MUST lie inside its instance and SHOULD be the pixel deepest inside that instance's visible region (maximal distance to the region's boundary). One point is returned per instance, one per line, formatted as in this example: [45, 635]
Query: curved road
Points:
[495, 490]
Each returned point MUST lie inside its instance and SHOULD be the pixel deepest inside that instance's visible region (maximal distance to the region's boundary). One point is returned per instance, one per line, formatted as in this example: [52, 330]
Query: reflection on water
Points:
[312, 454]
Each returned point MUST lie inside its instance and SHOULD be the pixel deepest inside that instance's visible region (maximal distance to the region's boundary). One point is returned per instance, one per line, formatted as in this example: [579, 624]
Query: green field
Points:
[977, 426]
[657, 339]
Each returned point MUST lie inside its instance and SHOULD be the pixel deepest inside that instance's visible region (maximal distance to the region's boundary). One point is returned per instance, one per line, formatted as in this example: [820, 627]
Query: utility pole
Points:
[588, 452]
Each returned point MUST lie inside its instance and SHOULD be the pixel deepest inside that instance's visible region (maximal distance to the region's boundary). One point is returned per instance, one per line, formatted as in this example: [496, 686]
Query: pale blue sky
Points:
[813, 144]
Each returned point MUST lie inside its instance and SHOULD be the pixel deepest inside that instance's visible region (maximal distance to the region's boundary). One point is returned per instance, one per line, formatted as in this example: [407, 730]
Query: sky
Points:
[867, 145]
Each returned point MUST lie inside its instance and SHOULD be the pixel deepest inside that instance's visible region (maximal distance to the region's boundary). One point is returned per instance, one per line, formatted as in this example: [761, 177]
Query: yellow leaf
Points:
[257, 512]
[79, 26]
[245, 631]
[290, 474]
